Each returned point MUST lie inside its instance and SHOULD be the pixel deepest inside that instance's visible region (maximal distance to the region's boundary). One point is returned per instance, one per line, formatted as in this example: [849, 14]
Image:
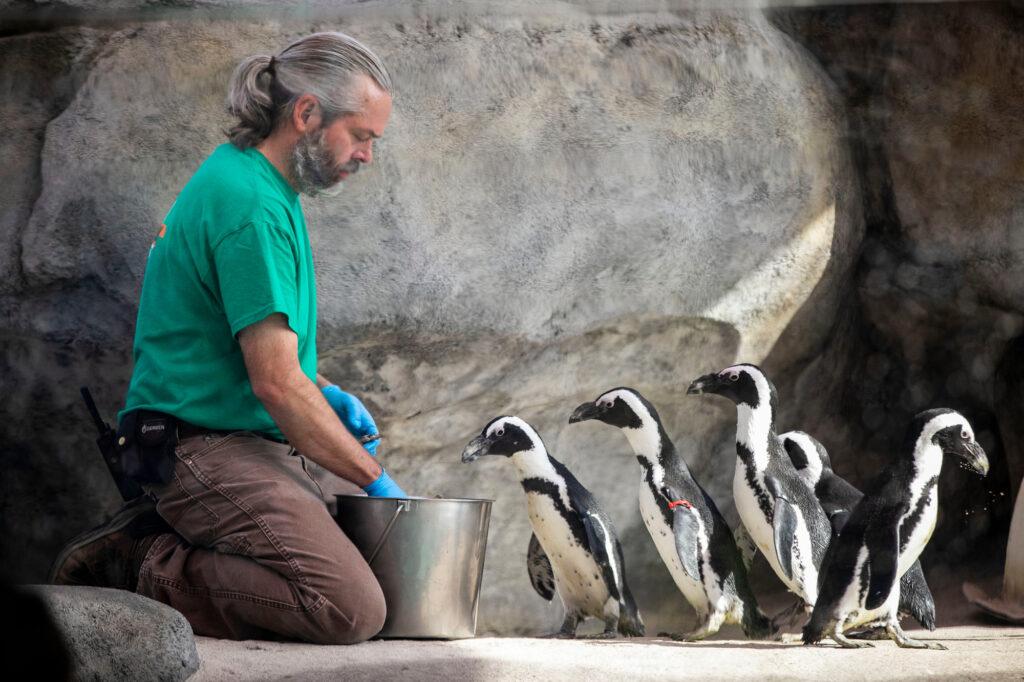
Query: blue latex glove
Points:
[384, 487]
[354, 415]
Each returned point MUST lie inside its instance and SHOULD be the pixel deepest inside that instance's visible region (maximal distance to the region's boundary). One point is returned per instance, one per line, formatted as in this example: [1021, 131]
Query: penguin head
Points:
[950, 432]
[743, 384]
[504, 435]
[808, 456]
[622, 407]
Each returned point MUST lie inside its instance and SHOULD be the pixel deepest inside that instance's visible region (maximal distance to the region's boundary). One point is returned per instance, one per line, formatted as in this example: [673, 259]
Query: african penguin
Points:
[887, 531]
[838, 498]
[574, 550]
[691, 536]
[778, 510]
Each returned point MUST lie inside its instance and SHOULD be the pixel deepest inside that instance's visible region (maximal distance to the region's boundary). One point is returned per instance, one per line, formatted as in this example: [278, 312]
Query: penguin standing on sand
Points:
[778, 510]
[691, 536]
[838, 498]
[573, 550]
[887, 531]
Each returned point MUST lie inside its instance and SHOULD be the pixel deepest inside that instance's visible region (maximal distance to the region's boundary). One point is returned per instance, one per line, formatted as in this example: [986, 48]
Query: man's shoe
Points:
[111, 554]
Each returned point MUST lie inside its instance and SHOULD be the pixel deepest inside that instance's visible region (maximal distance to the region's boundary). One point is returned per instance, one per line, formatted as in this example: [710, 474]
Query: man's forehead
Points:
[374, 109]
[373, 98]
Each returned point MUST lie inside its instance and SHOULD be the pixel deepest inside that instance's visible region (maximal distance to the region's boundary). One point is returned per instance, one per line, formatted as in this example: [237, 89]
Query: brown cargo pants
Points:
[255, 553]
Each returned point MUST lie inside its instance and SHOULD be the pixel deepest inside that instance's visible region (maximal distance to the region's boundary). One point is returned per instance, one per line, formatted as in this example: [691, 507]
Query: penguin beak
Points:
[476, 447]
[705, 384]
[974, 456]
[584, 412]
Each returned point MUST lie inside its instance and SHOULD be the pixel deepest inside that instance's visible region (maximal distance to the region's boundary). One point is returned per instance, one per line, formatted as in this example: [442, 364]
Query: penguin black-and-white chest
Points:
[756, 508]
[653, 506]
[918, 524]
[754, 504]
[750, 474]
[578, 577]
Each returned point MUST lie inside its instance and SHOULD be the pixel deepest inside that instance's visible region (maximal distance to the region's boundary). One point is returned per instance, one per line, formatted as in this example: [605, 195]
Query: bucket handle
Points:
[403, 505]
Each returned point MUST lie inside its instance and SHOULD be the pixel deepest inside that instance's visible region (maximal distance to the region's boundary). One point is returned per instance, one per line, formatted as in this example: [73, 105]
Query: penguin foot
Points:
[694, 636]
[700, 633]
[873, 634]
[601, 635]
[846, 643]
[568, 629]
[934, 646]
[560, 635]
[904, 642]
[789, 637]
[788, 617]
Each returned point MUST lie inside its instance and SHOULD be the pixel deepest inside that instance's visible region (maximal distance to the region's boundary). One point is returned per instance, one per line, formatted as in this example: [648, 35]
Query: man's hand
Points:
[384, 487]
[354, 415]
[297, 406]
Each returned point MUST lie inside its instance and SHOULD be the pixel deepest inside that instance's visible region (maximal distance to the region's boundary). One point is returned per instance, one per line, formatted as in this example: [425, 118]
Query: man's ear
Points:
[306, 113]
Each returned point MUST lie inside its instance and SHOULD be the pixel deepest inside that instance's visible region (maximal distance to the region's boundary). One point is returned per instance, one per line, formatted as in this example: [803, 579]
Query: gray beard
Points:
[313, 169]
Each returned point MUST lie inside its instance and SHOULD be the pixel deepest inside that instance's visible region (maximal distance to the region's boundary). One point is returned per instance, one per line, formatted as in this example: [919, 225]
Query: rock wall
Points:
[933, 103]
[566, 200]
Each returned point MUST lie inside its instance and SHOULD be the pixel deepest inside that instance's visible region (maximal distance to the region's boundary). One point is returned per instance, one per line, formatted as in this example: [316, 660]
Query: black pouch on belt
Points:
[146, 442]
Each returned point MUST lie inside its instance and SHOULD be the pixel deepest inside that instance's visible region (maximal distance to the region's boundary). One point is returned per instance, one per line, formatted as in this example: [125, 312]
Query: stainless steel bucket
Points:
[427, 554]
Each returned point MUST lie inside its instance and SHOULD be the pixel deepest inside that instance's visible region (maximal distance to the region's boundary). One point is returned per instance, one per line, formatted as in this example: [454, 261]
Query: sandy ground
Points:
[975, 653]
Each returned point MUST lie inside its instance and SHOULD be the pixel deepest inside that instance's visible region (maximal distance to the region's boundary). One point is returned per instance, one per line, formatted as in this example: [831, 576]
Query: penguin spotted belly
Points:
[665, 542]
[578, 579]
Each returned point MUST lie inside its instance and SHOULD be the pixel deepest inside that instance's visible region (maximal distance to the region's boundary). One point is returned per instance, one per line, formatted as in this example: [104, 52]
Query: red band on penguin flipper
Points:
[680, 503]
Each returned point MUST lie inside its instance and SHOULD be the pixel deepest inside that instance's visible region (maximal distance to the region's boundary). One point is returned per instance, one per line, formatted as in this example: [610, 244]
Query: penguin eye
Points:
[734, 376]
[607, 404]
[965, 435]
[499, 433]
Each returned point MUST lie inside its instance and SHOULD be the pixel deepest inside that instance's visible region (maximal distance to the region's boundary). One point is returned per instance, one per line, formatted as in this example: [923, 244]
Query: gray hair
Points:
[264, 88]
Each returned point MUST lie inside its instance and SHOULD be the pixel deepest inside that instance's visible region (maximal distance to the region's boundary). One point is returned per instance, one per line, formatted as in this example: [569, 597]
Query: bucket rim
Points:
[351, 496]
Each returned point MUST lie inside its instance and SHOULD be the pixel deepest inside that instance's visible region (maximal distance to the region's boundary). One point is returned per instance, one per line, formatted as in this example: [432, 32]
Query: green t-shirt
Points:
[233, 250]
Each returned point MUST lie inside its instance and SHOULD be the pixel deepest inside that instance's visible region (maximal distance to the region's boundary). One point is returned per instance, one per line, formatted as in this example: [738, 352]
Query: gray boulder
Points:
[564, 202]
[118, 635]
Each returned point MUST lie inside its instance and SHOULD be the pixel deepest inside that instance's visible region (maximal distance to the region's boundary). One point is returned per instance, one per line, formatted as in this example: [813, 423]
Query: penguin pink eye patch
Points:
[680, 503]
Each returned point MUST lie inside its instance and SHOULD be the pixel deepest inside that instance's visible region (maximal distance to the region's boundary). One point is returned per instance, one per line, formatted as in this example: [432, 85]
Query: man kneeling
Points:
[233, 531]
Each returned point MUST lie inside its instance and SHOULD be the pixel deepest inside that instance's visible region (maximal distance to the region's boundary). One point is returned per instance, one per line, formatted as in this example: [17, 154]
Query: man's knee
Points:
[355, 616]
[368, 614]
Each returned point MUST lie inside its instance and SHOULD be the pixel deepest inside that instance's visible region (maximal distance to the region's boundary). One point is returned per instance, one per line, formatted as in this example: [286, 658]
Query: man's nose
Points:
[364, 153]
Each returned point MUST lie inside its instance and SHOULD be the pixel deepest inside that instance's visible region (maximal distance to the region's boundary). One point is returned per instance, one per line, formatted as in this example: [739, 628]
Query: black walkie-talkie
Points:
[107, 443]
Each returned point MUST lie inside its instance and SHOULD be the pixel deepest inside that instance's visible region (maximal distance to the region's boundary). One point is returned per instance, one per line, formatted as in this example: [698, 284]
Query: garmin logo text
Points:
[146, 428]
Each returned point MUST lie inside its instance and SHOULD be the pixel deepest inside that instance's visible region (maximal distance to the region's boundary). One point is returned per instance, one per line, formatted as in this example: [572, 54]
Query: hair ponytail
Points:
[250, 99]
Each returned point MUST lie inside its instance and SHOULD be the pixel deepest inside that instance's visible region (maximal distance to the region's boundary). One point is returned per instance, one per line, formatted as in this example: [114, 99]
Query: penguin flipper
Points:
[883, 557]
[601, 540]
[539, 567]
[686, 530]
[630, 622]
[784, 525]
